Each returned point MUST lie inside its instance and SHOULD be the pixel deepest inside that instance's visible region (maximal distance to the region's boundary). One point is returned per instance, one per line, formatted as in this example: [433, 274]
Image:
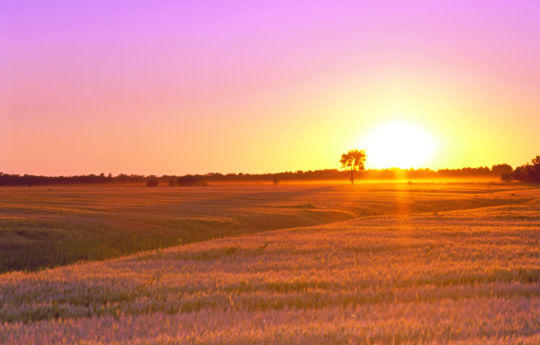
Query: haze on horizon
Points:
[170, 87]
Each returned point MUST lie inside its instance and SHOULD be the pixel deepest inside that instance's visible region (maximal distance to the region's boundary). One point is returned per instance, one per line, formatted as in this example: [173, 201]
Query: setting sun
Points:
[399, 145]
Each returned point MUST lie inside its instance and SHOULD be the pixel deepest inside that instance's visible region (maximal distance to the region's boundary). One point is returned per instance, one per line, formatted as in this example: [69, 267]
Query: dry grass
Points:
[52, 226]
[427, 264]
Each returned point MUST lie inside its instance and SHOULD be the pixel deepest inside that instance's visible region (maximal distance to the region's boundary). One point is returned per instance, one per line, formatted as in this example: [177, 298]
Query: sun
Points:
[398, 145]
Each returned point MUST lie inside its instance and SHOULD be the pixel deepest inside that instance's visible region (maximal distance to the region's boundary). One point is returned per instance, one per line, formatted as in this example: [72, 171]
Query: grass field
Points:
[50, 226]
[383, 263]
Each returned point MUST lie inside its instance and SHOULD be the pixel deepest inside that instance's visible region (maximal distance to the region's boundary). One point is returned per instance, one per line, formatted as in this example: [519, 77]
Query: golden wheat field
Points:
[378, 263]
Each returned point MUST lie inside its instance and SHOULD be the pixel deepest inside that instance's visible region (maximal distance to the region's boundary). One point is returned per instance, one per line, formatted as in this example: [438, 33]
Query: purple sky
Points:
[192, 87]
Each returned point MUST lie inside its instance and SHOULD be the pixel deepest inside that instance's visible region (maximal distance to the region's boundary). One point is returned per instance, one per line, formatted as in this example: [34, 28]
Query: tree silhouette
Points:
[528, 172]
[353, 161]
[534, 170]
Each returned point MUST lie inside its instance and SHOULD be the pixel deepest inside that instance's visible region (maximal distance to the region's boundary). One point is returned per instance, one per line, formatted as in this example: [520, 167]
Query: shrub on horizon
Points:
[152, 182]
[191, 180]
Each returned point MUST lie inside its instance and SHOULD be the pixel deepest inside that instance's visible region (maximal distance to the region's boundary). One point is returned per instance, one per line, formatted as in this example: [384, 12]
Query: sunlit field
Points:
[57, 225]
[379, 263]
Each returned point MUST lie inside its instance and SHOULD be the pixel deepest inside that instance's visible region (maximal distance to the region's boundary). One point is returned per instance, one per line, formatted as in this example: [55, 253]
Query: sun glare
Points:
[399, 145]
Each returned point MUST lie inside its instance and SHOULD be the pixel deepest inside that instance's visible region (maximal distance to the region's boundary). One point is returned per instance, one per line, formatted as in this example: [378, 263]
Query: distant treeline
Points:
[529, 172]
[500, 170]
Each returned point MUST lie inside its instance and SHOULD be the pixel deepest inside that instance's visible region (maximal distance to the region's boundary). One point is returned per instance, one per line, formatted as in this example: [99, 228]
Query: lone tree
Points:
[353, 161]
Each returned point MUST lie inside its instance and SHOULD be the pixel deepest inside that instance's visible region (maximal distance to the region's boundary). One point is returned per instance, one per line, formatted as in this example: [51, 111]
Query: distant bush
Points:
[506, 177]
[501, 169]
[152, 182]
[191, 180]
[172, 182]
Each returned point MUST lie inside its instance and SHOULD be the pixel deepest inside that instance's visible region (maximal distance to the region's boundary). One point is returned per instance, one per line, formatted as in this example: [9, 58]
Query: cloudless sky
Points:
[198, 86]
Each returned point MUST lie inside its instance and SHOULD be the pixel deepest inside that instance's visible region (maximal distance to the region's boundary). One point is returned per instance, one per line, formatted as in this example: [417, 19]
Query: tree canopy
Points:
[353, 161]
[528, 172]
